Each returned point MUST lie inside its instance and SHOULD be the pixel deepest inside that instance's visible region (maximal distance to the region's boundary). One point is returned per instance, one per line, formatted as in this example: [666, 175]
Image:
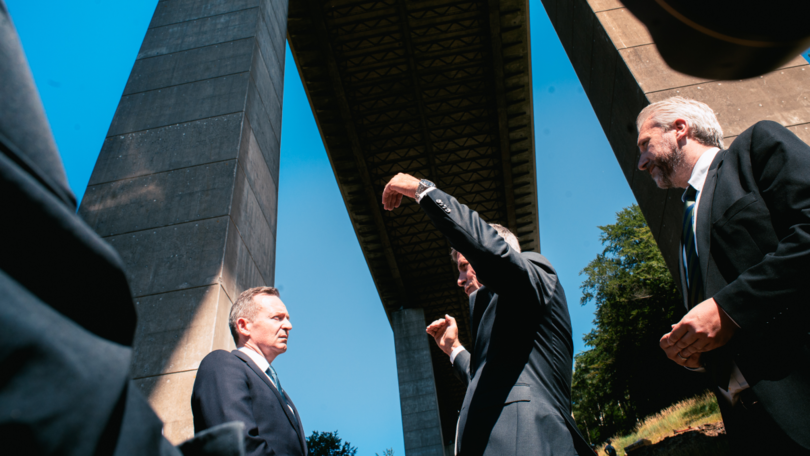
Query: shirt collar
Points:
[257, 358]
[701, 169]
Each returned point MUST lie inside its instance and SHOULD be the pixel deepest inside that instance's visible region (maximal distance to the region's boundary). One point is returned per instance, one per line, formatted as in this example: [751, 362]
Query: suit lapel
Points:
[704, 222]
[473, 323]
[293, 419]
[300, 426]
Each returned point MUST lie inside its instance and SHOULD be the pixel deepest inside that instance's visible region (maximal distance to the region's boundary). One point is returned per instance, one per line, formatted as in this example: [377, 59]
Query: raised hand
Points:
[399, 186]
[445, 333]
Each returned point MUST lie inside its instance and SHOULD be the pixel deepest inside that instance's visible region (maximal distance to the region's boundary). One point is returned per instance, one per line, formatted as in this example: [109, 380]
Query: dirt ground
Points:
[707, 440]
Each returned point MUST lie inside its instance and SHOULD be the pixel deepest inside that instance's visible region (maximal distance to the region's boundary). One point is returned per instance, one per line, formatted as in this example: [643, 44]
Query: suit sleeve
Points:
[461, 366]
[781, 167]
[497, 265]
[222, 394]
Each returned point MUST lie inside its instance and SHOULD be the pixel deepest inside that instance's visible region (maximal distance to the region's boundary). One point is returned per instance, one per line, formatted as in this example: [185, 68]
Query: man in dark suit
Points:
[243, 385]
[518, 375]
[745, 254]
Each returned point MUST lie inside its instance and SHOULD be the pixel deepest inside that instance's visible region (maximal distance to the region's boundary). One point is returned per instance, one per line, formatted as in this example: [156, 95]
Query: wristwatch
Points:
[424, 184]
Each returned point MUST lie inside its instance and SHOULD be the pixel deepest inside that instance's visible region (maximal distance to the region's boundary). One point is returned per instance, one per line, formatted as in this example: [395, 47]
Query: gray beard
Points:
[670, 164]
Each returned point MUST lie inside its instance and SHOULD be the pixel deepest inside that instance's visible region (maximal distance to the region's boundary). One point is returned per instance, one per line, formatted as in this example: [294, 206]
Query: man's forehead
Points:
[646, 130]
[272, 304]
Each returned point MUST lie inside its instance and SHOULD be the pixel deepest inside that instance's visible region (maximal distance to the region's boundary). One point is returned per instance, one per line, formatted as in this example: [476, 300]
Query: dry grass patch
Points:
[692, 412]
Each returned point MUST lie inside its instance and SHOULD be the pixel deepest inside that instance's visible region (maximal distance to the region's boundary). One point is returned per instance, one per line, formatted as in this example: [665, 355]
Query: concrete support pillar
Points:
[421, 424]
[186, 184]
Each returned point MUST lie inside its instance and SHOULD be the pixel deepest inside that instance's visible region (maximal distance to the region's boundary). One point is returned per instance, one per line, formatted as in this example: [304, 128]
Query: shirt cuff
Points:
[695, 369]
[455, 351]
[724, 311]
[418, 196]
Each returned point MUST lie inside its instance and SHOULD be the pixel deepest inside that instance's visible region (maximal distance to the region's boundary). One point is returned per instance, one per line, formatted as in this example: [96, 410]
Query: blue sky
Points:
[340, 368]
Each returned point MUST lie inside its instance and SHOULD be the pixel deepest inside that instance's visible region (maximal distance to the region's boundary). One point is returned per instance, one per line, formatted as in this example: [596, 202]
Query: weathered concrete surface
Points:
[177, 146]
[186, 184]
[421, 423]
[170, 396]
[622, 72]
[183, 67]
[174, 330]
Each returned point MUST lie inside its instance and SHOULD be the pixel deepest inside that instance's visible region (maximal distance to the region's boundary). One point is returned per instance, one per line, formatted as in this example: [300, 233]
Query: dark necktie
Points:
[719, 367]
[274, 378]
[692, 266]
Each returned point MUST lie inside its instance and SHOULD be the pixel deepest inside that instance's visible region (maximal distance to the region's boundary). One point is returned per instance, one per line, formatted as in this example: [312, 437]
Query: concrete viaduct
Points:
[185, 186]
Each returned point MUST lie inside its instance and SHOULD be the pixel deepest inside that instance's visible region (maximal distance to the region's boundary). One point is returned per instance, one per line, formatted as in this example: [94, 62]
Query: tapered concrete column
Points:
[421, 425]
[185, 186]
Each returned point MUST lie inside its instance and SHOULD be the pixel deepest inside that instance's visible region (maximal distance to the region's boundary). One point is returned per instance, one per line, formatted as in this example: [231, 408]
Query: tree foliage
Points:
[328, 444]
[624, 375]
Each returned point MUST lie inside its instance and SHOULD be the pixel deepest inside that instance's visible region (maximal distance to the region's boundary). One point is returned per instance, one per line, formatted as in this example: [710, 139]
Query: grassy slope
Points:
[696, 411]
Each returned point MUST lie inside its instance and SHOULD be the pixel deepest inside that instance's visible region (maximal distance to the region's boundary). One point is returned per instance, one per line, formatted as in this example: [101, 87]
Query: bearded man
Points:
[745, 253]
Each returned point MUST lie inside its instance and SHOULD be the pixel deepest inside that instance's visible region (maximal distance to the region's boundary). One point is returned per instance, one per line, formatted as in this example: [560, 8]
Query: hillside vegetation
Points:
[624, 376]
[694, 412]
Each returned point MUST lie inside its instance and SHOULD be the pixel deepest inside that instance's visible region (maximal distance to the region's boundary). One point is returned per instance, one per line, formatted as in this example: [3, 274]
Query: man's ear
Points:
[681, 128]
[242, 327]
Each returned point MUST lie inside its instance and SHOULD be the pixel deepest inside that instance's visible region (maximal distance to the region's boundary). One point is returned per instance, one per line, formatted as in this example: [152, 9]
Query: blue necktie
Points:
[693, 277]
[274, 378]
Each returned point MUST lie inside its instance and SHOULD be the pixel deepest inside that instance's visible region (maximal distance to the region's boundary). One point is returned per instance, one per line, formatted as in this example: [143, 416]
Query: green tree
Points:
[388, 452]
[328, 444]
[624, 375]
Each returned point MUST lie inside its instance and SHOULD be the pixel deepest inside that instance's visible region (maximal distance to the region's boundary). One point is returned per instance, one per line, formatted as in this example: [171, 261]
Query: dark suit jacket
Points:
[66, 315]
[518, 373]
[231, 387]
[754, 220]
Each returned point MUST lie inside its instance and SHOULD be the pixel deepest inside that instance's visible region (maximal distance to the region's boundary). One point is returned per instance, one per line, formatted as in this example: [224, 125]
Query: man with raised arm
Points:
[518, 374]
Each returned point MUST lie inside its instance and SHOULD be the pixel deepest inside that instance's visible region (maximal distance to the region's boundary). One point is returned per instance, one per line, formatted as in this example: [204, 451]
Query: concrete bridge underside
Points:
[441, 90]
[185, 186]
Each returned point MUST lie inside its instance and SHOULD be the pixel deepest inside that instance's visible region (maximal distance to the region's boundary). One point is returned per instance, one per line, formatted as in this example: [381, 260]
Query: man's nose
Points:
[287, 325]
[643, 161]
[462, 279]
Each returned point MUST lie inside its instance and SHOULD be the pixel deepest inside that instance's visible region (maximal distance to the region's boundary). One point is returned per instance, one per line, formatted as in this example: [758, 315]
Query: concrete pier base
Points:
[421, 424]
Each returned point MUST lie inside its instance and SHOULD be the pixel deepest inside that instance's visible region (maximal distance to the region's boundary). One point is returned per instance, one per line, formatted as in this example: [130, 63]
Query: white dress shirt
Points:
[736, 382]
[455, 353]
[418, 196]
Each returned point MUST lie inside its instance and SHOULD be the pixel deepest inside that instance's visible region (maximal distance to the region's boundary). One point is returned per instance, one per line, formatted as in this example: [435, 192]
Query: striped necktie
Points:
[274, 378]
[692, 264]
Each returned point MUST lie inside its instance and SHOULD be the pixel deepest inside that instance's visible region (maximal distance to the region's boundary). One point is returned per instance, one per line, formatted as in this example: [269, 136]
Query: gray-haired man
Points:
[745, 253]
[243, 386]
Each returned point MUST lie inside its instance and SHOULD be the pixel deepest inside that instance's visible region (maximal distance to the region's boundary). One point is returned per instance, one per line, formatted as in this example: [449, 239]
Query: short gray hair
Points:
[503, 232]
[245, 307]
[702, 121]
